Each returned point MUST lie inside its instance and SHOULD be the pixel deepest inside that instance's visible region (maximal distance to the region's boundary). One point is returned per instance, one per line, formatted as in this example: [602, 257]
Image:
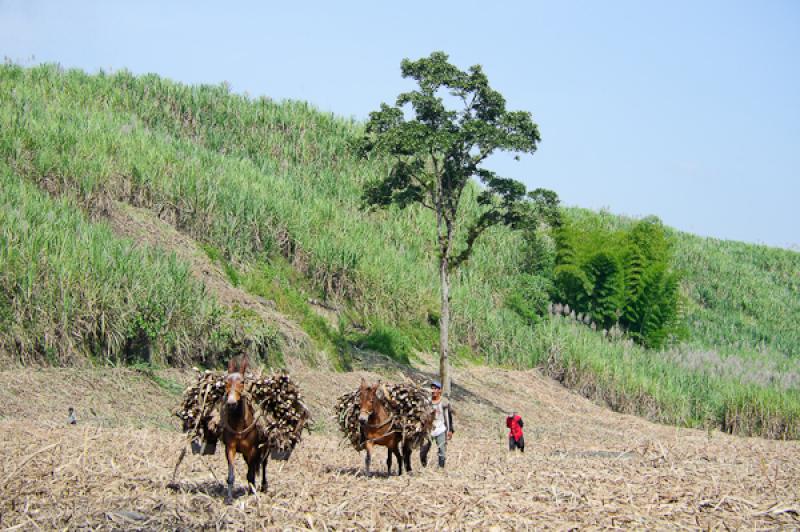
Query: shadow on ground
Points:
[360, 473]
[212, 488]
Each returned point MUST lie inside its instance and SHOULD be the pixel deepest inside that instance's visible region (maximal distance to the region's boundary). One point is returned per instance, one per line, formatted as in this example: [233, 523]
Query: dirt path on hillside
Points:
[143, 227]
[584, 466]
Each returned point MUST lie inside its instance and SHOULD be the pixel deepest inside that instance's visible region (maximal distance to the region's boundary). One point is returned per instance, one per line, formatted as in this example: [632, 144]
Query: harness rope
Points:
[391, 418]
[384, 435]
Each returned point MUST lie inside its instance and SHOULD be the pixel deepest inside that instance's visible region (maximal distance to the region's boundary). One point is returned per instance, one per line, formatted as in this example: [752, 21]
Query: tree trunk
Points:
[444, 328]
[444, 232]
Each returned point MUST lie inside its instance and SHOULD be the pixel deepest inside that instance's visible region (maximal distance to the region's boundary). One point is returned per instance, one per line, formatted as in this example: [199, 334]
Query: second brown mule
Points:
[377, 428]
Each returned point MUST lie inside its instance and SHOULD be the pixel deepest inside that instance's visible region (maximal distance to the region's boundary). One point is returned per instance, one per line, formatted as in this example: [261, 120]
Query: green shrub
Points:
[530, 297]
[387, 340]
[621, 276]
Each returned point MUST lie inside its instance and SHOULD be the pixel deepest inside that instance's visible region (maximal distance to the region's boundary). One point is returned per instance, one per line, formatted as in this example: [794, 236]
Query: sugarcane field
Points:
[583, 466]
[427, 266]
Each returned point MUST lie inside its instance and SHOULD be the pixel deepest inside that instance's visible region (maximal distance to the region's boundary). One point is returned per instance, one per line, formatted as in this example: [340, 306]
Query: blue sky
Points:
[686, 110]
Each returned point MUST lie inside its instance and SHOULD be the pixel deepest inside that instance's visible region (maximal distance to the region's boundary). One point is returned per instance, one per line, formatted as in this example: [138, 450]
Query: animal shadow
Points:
[212, 488]
[357, 472]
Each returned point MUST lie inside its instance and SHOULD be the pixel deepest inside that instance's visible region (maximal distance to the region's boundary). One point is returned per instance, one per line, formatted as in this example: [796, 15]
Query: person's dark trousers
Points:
[441, 443]
[516, 444]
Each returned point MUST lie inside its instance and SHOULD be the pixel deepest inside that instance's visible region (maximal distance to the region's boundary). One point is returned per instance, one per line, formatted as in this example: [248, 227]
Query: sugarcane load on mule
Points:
[396, 416]
[256, 416]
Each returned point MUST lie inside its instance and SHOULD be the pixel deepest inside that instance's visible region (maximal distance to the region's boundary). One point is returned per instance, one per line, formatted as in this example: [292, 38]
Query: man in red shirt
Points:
[516, 440]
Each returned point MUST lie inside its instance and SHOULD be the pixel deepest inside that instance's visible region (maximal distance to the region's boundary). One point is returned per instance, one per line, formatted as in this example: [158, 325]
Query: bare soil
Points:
[584, 466]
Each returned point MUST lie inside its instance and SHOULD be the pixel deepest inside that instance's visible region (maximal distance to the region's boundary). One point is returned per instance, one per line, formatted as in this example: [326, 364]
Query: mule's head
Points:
[368, 396]
[234, 382]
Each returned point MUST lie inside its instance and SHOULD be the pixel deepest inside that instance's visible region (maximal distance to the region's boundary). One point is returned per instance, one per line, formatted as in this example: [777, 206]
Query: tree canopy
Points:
[438, 150]
[437, 138]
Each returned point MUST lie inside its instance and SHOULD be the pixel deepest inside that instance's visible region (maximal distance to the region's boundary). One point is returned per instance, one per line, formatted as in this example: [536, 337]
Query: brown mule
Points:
[376, 428]
[239, 431]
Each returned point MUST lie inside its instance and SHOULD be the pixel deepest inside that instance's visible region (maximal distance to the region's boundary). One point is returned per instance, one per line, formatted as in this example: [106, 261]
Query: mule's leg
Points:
[396, 452]
[423, 452]
[264, 472]
[252, 469]
[230, 454]
[389, 461]
[407, 457]
[368, 458]
[394, 449]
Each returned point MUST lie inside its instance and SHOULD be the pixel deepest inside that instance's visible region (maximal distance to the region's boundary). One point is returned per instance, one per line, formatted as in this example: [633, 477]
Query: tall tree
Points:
[436, 150]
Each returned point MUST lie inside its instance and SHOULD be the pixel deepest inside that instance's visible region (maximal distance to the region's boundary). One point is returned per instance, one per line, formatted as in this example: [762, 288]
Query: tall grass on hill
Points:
[267, 185]
[633, 380]
[69, 289]
[740, 297]
[254, 178]
[782, 373]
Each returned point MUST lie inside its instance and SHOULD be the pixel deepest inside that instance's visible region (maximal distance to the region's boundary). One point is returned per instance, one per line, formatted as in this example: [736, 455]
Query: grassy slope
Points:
[257, 179]
[740, 298]
[70, 289]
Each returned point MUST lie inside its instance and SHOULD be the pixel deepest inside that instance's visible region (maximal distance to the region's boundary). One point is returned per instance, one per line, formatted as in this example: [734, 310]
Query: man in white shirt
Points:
[442, 430]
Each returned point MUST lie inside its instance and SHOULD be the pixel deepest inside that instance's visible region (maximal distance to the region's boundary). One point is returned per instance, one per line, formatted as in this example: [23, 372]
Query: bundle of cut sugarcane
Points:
[280, 413]
[283, 414]
[409, 403]
[199, 411]
[413, 411]
[347, 410]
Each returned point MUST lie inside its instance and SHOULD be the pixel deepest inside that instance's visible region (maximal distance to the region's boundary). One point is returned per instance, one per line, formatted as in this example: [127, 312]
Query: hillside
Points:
[583, 466]
[271, 195]
[741, 298]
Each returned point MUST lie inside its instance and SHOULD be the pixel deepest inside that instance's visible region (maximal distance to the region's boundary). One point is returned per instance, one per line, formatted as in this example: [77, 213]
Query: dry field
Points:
[584, 467]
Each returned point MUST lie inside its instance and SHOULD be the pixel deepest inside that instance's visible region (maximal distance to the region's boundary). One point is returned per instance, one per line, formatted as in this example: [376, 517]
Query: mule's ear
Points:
[243, 365]
[363, 382]
[231, 366]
